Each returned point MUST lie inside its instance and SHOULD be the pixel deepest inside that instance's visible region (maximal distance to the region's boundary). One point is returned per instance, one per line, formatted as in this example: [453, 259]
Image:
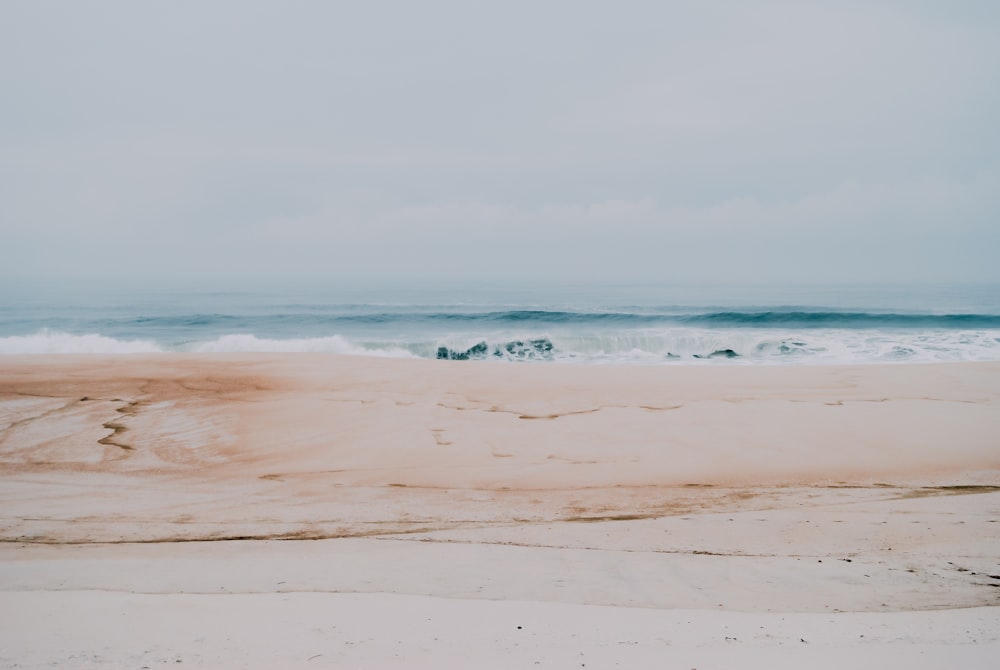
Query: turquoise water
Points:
[646, 324]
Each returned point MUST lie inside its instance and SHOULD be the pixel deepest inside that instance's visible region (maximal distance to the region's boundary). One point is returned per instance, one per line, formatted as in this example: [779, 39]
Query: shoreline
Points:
[792, 498]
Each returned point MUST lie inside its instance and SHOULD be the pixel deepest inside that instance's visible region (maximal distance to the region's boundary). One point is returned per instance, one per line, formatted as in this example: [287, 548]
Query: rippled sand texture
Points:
[678, 489]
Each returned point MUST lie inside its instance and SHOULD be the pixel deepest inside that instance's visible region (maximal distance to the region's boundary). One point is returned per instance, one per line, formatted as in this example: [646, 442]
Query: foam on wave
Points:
[334, 344]
[643, 345]
[521, 350]
[55, 342]
[782, 346]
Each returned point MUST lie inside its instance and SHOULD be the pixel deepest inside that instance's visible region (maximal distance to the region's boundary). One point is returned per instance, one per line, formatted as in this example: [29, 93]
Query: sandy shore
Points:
[319, 511]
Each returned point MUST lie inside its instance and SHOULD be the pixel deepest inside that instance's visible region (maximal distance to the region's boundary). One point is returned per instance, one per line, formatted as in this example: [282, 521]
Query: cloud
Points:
[665, 140]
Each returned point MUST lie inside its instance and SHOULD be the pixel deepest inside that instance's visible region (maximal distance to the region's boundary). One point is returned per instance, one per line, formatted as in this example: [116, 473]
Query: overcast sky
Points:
[633, 141]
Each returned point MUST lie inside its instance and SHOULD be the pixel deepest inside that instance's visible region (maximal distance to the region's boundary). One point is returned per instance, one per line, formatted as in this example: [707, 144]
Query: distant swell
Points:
[806, 319]
[791, 318]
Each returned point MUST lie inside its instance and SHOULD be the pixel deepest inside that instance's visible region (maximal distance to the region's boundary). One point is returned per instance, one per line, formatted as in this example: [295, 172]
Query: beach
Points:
[433, 335]
[314, 510]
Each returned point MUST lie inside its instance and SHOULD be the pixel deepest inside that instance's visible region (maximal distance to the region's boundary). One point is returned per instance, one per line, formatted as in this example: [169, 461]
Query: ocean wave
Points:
[520, 350]
[791, 318]
[678, 344]
[54, 342]
[870, 320]
[334, 319]
[334, 344]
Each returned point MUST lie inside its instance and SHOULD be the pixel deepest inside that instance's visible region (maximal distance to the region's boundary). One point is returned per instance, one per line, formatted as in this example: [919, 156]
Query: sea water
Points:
[517, 321]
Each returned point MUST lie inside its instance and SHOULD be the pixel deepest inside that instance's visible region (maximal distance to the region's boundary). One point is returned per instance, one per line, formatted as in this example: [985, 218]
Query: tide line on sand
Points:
[302, 510]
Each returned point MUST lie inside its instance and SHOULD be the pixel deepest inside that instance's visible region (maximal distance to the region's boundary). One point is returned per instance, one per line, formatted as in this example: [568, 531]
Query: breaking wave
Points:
[708, 336]
[740, 345]
[521, 350]
[54, 342]
[328, 345]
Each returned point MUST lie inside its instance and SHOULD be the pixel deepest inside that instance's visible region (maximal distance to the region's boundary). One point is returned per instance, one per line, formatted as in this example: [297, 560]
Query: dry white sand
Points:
[317, 511]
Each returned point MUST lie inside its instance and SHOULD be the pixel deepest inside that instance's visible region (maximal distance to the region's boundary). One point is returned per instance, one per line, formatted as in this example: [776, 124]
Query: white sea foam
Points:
[54, 342]
[334, 344]
[636, 346]
[776, 346]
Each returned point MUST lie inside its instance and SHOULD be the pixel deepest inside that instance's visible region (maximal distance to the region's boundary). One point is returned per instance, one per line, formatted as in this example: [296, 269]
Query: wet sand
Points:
[308, 510]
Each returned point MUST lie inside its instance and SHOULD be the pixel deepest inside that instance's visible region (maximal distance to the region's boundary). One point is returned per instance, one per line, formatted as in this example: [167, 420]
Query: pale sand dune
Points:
[634, 515]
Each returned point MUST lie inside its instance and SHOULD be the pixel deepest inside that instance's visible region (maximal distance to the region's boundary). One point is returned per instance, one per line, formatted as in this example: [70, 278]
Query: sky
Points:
[701, 141]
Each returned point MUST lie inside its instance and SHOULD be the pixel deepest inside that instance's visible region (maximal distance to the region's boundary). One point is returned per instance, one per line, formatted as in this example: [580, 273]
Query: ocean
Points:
[535, 322]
